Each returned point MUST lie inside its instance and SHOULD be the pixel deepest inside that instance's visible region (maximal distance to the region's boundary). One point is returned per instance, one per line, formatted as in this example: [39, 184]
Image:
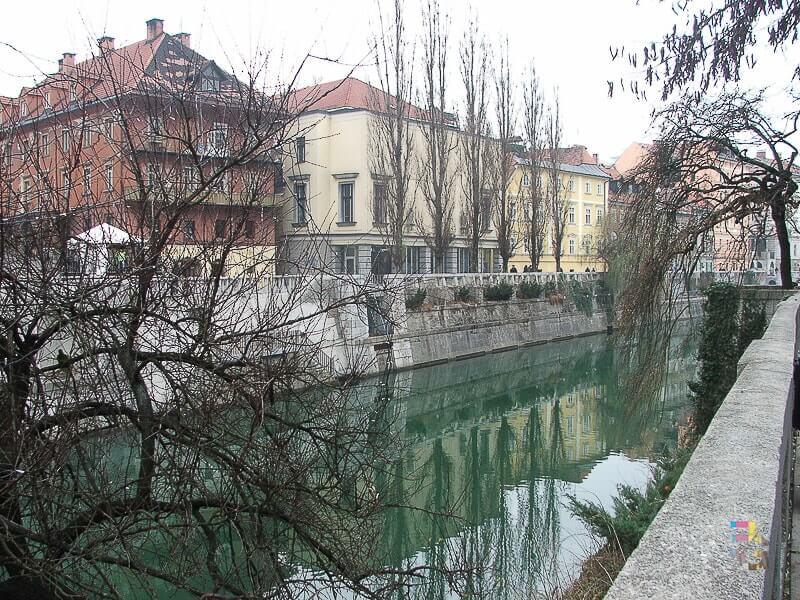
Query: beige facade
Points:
[331, 214]
[586, 191]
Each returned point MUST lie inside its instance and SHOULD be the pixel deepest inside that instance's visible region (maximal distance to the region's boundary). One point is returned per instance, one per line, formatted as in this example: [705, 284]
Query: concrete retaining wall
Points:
[738, 472]
[454, 332]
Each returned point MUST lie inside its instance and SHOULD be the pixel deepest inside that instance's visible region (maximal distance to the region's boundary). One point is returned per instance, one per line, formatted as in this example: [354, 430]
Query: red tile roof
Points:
[344, 93]
[158, 63]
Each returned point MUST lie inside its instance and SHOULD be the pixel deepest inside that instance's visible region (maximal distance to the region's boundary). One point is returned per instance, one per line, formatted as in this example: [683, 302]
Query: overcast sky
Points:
[569, 41]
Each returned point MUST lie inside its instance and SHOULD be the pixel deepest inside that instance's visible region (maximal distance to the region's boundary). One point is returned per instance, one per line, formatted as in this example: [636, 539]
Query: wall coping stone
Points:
[735, 473]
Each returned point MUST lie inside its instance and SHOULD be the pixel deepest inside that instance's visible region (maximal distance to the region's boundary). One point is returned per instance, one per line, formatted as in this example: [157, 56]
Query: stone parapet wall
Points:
[738, 472]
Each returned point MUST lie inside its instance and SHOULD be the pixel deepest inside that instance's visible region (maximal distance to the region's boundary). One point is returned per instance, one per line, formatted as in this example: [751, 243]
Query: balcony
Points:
[132, 194]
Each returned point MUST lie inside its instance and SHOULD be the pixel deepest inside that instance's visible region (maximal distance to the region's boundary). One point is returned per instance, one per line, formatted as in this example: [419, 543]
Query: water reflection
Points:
[495, 443]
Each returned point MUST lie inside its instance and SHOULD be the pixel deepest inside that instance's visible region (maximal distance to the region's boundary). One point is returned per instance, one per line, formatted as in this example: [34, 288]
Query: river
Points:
[499, 443]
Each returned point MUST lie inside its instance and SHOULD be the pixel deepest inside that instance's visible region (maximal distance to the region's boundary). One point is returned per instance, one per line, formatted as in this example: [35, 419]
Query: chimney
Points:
[761, 155]
[66, 64]
[106, 43]
[155, 27]
[596, 160]
[184, 38]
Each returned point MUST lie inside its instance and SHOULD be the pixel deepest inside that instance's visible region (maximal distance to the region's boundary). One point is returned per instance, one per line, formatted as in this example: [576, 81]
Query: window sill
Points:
[379, 224]
[346, 223]
[296, 225]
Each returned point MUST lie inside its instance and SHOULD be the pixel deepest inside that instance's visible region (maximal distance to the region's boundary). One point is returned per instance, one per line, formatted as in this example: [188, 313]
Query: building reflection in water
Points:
[493, 446]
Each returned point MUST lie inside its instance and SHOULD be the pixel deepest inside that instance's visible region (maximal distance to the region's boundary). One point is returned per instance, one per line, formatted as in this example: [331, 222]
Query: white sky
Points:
[569, 41]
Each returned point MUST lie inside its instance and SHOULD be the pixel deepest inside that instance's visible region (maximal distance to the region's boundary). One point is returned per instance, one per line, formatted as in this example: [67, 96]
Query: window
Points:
[88, 136]
[463, 260]
[413, 262]
[300, 149]
[570, 425]
[108, 127]
[151, 175]
[571, 184]
[73, 92]
[486, 213]
[87, 180]
[278, 182]
[347, 257]
[572, 246]
[188, 229]
[599, 216]
[463, 223]
[109, 176]
[46, 100]
[587, 188]
[65, 139]
[588, 217]
[220, 228]
[210, 84]
[526, 180]
[599, 189]
[571, 214]
[346, 203]
[218, 139]
[66, 181]
[300, 208]
[24, 188]
[379, 193]
[23, 109]
[188, 178]
[586, 423]
[249, 229]
[44, 144]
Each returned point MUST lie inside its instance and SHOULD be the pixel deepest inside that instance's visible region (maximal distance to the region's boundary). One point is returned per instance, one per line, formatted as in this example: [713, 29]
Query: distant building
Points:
[585, 185]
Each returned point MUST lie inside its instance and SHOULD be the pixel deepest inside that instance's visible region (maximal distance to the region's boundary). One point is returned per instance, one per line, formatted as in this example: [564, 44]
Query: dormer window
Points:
[23, 109]
[210, 84]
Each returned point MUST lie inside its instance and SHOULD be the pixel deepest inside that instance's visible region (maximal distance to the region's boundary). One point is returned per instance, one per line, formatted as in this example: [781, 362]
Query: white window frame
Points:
[345, 215]
[587, 217]
[109, 176]
[298, 211]
[571, 246]
[571, 215]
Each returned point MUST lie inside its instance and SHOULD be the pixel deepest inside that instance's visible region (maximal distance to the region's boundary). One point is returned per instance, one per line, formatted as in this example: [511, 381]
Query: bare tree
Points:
[711, 44]
[165, 428]
[701, 178]
[391, 136]
[536, 205]
[504, 163]
[475, 148]
[435, 168]
[558, 205]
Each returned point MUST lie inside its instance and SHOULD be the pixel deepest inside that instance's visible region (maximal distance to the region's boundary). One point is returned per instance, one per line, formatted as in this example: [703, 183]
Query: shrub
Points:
[527, 290]
[633, 510]
[582, 296]
[416, 299]
[463, 294]
[502, 291]
[550, 288]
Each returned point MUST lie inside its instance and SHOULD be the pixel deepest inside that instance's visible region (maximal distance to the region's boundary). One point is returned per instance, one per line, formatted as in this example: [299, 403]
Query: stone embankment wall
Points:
[738, 472]
[445, 329]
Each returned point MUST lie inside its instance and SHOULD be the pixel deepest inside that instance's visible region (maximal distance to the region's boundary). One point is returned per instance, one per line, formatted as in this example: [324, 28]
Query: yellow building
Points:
[585, 189]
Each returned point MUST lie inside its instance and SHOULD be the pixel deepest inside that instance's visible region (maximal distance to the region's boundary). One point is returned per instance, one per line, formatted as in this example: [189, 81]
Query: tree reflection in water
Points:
[494, 444]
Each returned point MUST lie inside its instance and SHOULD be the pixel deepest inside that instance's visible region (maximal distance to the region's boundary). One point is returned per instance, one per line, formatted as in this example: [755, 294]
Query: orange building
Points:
[130, 134]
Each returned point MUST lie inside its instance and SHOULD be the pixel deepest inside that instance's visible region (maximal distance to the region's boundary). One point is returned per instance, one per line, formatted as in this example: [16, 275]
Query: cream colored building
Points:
[335, 200]
[586, 192]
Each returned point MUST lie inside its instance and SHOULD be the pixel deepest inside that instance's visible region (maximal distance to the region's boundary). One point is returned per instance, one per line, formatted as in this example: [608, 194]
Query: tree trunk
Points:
[779, 219]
